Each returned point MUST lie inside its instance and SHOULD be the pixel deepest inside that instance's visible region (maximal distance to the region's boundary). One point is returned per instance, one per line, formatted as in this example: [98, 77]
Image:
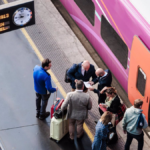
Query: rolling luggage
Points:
[58, 128]
[112, 136]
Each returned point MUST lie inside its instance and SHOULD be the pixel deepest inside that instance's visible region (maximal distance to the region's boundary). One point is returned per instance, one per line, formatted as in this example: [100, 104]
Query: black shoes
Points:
[37, 115]
[42, 117]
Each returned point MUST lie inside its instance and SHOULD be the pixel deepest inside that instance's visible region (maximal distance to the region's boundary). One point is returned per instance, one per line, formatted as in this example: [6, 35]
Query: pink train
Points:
[119, 30]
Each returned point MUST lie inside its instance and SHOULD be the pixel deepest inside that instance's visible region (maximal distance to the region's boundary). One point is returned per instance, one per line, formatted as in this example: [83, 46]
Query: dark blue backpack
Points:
[140, 121]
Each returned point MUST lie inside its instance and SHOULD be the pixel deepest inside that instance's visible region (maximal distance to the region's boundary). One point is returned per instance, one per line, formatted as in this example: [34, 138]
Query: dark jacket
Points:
[75, 73]
[42, 81]
[103, 81]
[114, 107]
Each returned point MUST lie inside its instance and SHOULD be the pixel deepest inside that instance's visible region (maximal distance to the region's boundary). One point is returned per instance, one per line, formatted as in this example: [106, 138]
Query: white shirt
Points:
[82, 70]
[104, 75]
[80, 90]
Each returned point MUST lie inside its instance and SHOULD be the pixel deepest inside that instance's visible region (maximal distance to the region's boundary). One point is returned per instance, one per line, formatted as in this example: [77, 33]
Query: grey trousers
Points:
[41, 103]
[72, 128]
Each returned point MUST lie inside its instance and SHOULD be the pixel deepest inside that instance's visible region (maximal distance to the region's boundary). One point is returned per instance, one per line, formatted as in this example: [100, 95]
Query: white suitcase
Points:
[58, 128]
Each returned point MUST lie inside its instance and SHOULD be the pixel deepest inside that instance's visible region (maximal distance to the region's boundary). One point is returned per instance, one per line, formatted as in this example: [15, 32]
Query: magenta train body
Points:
[131, 23]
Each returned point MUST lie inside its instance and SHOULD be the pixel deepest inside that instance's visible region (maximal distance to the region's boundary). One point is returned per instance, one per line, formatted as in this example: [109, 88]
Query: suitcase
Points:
[52, 110]
[58, 128]
[112, 136]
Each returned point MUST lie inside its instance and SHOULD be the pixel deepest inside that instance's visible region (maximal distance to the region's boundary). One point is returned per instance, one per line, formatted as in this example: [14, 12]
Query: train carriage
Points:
[119, 30]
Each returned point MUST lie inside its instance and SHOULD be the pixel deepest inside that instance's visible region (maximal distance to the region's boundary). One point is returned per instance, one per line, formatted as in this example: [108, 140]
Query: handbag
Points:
[58, 114]
[67, 79]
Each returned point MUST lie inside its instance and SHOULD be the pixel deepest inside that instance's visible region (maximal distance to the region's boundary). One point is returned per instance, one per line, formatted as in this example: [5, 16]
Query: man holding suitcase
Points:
[43, 88]
[79, 103]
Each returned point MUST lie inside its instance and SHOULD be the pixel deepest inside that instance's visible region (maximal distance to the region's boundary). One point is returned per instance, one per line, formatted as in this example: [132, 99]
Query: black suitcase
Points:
[112, 136]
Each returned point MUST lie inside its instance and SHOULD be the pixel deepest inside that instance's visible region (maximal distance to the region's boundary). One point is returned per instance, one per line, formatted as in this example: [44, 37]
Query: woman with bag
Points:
[99, 142]
[112, 101]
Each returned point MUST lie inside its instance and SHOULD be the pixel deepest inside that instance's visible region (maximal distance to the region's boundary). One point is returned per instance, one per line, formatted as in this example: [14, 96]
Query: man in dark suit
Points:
[104, 78]
[83, 71]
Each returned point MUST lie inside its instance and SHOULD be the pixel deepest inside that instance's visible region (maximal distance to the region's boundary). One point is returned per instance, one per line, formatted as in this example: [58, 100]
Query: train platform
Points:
[51, 37]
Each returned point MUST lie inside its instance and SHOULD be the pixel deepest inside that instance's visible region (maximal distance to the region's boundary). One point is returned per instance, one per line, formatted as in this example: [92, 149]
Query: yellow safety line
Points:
[5, 1]
[52, 74]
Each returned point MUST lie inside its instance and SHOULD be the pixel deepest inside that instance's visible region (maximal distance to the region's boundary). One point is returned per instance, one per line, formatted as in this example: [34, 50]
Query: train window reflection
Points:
[141, 81]
[114, 42]
[88, 9]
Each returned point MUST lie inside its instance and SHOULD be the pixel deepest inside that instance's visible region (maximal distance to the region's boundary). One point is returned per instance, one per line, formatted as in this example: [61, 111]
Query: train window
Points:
[114, 42]
[88, 8]
[141, 81]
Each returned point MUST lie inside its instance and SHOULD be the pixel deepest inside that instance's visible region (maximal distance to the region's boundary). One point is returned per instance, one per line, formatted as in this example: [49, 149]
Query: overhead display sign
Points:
[16, 15]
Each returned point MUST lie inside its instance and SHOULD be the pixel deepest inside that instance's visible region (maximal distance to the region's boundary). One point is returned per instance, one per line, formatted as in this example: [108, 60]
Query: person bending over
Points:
[82, 71]
[112, 101]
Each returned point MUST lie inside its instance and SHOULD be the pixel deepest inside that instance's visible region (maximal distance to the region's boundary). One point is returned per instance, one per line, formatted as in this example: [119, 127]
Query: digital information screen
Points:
[16, 15]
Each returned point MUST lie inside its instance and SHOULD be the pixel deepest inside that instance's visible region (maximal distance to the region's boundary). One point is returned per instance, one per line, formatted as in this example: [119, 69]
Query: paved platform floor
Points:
[55, 40]
[19, 128]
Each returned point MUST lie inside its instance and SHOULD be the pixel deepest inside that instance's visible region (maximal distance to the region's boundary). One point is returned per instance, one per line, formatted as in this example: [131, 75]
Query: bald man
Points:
[104, 78]
[82, 71]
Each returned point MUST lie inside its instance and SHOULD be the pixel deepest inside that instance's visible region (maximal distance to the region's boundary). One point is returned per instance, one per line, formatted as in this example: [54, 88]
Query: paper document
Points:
[87, 85]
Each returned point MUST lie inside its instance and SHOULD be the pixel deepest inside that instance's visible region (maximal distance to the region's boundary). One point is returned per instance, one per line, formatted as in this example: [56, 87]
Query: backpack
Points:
[140, 121]
[67, 79]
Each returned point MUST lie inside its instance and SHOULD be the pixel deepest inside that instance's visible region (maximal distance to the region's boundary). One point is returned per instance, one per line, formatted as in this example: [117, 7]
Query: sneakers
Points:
[42, 117]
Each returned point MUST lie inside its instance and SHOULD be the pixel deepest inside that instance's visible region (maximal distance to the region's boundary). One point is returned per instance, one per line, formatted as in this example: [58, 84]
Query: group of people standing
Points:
[78, 102]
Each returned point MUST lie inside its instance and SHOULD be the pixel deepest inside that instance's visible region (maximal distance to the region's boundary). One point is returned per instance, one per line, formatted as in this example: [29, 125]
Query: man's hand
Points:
[56, 88]
[125, 132]
[91, 82]
[91, 88]
[75, 80]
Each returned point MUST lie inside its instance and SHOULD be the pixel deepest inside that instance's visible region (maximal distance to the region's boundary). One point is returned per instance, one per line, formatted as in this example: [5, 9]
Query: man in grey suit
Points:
[78, 104]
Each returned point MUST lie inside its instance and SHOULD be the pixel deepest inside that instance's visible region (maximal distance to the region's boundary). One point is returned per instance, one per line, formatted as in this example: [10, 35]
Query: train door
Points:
[139, 75]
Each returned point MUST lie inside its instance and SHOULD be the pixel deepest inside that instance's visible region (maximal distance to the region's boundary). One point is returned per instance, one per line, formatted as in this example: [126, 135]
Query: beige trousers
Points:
[72, 128]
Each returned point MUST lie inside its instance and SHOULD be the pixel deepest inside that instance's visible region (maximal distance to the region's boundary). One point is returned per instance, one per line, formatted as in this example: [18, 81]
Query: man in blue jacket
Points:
[82, 71]
[43, 88]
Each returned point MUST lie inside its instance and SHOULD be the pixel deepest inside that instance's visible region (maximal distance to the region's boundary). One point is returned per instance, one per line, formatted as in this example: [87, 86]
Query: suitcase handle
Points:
[55, 96]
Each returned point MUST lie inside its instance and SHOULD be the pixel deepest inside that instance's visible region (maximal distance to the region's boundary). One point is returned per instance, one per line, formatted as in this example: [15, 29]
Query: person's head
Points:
[111, 92]
[99, 72]
[86, 65]
[138, 103]
[106, 117]
[46, 64]
[79, 85]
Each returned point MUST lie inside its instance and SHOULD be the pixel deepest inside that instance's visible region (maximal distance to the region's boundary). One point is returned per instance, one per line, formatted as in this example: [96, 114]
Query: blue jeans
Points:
[41, 103]
[139, 138]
